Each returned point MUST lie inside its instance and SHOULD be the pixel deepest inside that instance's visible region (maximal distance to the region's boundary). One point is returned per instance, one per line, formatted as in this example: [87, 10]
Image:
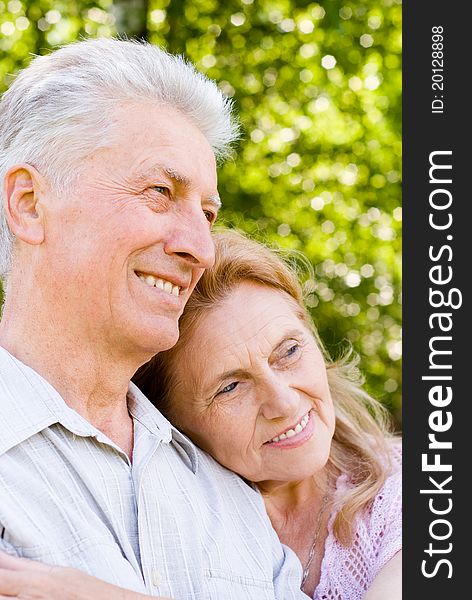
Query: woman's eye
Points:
[228, 388]
[289, 352]
[293, 349]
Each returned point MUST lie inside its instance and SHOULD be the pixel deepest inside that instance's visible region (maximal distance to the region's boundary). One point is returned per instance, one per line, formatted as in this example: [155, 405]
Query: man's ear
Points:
[21, 198]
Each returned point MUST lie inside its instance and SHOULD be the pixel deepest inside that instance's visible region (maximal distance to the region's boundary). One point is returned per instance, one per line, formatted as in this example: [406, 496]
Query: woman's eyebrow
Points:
[208, 389]
[293, 333]
[229, 375]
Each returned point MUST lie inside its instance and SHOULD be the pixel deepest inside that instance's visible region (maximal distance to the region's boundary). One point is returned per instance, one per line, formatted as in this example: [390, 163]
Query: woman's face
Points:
[250, 387]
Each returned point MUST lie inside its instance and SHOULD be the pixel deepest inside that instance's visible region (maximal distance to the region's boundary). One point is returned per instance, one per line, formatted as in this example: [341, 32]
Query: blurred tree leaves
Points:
[318, 90]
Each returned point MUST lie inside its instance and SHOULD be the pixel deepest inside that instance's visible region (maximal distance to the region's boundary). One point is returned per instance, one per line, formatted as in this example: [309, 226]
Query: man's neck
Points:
[89, 379]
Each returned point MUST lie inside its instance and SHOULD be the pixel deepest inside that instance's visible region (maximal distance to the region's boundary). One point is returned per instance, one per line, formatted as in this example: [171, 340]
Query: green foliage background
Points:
[318, 90]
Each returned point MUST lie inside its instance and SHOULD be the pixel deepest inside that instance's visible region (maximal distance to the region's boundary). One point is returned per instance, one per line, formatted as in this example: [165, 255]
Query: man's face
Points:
[126, 245]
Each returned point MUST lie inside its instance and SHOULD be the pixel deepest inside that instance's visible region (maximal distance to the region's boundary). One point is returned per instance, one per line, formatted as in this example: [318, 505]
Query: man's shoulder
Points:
[217, 480]
[21, 415]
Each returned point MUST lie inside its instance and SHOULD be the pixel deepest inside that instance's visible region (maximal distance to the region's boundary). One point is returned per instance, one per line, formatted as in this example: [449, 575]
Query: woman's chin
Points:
[297, 468]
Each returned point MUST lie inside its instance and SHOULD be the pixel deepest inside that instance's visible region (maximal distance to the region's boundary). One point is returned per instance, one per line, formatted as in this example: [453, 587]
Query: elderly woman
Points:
[250, 382]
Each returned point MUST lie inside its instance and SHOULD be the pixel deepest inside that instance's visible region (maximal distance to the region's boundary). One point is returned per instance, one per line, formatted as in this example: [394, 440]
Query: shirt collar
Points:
[29, 404]
[147, 414]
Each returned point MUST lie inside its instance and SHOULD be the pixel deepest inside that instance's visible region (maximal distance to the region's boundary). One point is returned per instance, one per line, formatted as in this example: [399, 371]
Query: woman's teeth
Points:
[162, 284]
[291, 432]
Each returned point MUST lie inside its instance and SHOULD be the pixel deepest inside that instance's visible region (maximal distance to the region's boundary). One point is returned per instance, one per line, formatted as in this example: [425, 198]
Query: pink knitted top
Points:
[346, 573]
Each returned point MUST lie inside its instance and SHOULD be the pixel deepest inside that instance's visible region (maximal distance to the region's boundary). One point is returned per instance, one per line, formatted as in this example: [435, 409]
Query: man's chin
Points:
[161, 337]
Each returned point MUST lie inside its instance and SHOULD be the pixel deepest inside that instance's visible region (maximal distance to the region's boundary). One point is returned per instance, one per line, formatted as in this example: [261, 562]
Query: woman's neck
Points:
[290, 496]
[299, 512]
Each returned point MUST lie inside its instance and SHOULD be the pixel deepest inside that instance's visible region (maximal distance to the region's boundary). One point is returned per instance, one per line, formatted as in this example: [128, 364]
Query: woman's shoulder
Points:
[387, 504]
[382, 524]
[349, 570]
[377, 536]
[395, 447]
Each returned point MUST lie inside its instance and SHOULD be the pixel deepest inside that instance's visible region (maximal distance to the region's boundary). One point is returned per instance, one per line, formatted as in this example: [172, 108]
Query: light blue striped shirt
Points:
[173, 523]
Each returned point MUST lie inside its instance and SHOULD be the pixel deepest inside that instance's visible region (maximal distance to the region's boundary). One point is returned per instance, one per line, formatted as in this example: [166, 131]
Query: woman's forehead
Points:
[251, 315]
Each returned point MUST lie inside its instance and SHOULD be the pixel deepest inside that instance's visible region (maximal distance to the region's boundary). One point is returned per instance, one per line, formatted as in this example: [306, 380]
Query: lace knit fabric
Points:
[347, 572]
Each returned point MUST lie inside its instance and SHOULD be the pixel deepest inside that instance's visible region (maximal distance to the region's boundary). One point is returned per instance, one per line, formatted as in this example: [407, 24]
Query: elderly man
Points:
[107, 154]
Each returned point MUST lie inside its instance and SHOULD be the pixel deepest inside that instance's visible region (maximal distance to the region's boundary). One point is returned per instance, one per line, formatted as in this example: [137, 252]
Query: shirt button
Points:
[156, 577]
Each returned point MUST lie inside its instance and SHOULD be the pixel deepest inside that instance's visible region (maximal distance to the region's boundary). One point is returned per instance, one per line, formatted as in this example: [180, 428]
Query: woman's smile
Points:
[294, 436]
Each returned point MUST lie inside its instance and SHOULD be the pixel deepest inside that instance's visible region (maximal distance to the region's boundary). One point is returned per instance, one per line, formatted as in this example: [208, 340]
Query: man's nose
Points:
[190, 238]
[280, 400]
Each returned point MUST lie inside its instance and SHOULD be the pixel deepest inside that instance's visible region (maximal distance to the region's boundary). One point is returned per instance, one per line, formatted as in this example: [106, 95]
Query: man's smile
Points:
[162, 284]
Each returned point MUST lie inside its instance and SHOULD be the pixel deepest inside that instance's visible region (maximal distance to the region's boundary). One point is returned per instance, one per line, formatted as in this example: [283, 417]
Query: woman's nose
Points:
[279, 399]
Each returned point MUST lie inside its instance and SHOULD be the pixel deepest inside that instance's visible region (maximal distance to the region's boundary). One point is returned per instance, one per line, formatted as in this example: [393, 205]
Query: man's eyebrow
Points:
[215, 200]
[178, 178]
[185, 182]
[175, 175]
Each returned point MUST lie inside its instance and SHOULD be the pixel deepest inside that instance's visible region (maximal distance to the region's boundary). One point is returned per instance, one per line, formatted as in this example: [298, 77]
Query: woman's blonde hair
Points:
[360, 446]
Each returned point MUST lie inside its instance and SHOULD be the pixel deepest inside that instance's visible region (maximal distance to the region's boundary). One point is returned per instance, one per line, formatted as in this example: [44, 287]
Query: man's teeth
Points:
[162, 284]
[291, 432]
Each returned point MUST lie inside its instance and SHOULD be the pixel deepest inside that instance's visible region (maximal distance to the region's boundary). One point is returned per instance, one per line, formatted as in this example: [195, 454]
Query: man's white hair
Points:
[60, 108]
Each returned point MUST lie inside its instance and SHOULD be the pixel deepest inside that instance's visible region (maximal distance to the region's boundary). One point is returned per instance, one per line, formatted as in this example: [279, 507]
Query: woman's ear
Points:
[22, 205]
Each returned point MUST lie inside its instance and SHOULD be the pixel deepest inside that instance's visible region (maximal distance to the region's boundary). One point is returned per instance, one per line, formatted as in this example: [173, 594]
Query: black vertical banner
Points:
[437, 254]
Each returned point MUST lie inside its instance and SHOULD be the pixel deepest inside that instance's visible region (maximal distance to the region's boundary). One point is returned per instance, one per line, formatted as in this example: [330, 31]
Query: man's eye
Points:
[210, 216]
[161, 189]
[228, 388]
